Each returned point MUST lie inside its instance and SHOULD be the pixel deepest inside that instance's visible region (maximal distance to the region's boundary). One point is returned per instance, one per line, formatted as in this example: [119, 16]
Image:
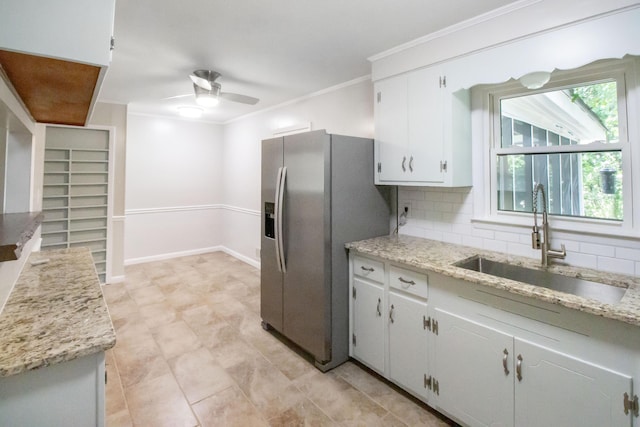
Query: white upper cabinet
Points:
[74, 30]
[391, 129]
[425, 113]
[422, 131]
[71, 40]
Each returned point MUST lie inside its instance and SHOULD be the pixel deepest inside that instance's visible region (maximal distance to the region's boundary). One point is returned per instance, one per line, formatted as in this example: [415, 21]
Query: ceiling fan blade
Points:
[200, 81]
[177, 96]
[236, 97]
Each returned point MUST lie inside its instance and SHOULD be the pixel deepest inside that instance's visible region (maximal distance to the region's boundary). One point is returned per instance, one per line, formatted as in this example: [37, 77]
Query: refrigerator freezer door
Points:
[306, 243]
[270, 278]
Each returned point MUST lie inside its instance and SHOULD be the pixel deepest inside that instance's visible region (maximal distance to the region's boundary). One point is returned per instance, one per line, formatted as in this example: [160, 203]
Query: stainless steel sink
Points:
[584, 288]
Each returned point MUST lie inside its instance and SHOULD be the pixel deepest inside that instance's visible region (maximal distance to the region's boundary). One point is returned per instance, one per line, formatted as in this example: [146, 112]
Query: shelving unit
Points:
[76, 199]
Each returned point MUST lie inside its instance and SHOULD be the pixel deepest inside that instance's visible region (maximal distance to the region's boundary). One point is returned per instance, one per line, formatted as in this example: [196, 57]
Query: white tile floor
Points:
[190, 351]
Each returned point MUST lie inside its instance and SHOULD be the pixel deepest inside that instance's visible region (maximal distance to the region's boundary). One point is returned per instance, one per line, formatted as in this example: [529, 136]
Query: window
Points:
[567, 140]
[571, 137]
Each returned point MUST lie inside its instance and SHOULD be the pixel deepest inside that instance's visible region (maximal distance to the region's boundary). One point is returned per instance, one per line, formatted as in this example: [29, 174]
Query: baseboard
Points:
[116, 279]
[191, 252]
[246, 259]
[170, 255]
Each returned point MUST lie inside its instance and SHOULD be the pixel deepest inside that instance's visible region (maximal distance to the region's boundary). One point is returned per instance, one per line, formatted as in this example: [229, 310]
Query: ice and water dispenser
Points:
[269, 220]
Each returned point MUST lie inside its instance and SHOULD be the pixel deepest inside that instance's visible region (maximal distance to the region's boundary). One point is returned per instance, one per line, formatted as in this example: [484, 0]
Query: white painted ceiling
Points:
[275, 50]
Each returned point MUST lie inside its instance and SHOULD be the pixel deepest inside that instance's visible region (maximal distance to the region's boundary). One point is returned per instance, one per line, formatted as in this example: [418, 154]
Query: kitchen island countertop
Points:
[440, 257]
[55, 313]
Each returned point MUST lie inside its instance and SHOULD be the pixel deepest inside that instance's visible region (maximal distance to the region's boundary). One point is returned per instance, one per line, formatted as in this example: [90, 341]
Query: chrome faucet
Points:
[547, 252]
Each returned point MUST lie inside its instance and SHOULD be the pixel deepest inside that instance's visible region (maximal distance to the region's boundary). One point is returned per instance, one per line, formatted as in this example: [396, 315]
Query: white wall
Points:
[346, 110]
[115, 116]
[173, 187]
[193, 187]
[440, 214]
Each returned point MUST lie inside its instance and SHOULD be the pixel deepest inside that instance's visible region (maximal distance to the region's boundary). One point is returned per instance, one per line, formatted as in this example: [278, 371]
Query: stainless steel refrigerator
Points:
[317, 194]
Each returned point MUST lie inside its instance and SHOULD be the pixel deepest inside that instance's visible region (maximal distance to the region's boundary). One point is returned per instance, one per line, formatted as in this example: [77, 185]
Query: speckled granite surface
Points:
[55, 313]
[440, 257]
[15, 230]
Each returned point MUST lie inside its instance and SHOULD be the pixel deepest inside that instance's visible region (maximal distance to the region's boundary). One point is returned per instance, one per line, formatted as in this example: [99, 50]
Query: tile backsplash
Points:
[445, 214]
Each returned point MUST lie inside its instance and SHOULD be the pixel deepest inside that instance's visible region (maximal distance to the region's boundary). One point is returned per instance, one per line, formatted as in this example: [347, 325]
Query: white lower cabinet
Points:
[489, 378]
[388, 322]
[367, 331]
[473, 372]
[489, 358]
[408, 343]
[562, 390]
[62, 394]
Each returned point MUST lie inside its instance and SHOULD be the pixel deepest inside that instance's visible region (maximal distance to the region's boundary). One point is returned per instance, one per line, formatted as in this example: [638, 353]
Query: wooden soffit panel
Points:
[54, 91]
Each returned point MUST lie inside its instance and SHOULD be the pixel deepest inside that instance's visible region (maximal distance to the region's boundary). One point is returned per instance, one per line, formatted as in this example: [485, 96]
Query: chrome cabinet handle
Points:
[369, 269]
[408, 282]
[404, 160]
[411, 164]
[505, 357]
[519, 368]
[391, 314]
[378, 308]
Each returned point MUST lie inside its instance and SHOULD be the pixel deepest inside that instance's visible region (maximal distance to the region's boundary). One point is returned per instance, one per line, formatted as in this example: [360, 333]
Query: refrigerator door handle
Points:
[279, 236]
[277, 222]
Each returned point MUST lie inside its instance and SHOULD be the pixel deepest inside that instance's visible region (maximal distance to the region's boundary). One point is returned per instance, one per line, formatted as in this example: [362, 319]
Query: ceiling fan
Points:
[208, 91]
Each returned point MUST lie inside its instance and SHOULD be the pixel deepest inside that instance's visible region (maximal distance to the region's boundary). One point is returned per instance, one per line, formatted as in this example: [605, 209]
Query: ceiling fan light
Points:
[207, 97]
[207, 100]
[190, 112]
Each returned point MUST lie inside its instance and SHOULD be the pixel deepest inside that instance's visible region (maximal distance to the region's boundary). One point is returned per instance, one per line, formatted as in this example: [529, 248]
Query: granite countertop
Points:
[439, 257]
[15, 230]
[55, 313]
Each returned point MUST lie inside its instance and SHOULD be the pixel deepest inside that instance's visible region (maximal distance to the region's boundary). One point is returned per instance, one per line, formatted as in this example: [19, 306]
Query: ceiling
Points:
[272, 50]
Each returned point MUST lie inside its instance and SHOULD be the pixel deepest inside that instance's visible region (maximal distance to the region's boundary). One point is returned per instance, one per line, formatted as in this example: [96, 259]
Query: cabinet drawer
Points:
[372, 270]
[409, 281]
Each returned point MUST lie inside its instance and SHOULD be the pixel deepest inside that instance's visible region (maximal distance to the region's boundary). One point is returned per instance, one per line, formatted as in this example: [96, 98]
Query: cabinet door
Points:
[368, 324]
[68, 393]
[62, 21]
[426, 140]
[391, 127]
[558, 389]
[408, 343]
[456, 111]
[470, 359]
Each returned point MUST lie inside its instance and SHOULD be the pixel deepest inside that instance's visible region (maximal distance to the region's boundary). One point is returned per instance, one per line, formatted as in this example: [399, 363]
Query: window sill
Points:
[522, 221]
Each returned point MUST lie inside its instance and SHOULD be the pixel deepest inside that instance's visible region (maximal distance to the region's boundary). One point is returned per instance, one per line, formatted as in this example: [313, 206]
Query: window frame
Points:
[486, 122]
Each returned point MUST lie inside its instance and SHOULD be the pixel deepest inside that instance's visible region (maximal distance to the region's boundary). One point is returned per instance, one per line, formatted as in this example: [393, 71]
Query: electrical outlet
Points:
[404, 213]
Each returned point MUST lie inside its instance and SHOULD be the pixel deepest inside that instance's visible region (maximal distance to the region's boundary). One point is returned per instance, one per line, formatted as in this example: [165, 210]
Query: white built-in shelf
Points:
[72, 177]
